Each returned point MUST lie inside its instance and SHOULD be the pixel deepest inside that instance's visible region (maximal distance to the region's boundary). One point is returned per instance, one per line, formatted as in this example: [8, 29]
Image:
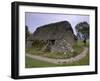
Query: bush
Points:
[38, 44]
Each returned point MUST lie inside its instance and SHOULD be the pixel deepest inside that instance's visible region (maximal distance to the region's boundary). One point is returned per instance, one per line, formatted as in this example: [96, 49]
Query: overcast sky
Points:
[34, 20]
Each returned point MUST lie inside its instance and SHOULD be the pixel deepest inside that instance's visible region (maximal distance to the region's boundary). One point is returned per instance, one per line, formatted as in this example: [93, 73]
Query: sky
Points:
[34, 20]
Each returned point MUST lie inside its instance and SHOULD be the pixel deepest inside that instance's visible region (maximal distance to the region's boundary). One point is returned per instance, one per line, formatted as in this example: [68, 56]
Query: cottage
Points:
[59, 37]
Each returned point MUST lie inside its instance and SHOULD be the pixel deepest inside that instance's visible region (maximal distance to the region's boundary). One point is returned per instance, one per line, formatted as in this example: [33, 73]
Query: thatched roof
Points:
[53, 31]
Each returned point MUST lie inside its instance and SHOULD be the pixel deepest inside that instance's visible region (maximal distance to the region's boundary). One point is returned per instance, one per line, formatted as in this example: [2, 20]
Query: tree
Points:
[27, 33]
[82, 29]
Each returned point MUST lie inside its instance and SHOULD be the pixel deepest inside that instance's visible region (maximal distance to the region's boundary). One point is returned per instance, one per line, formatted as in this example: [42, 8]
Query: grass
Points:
[78, 48]
[32, 63]
[84, 61]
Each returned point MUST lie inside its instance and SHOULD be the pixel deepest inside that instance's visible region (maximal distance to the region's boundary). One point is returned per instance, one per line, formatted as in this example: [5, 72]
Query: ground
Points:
[30, 62]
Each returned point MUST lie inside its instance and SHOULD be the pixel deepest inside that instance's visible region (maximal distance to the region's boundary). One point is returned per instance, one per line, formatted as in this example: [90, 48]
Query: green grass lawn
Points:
[32, 63]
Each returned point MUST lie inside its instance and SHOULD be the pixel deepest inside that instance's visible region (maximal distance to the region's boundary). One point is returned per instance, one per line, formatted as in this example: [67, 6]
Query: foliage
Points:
[83, 28]
[38, 43]
[27, 33]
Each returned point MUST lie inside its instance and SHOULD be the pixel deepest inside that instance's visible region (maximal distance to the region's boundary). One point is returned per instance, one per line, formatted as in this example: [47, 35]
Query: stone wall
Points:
[61, 46]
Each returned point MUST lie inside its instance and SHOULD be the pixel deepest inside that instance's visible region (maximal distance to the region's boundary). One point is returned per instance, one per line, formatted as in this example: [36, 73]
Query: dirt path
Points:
[59, 61]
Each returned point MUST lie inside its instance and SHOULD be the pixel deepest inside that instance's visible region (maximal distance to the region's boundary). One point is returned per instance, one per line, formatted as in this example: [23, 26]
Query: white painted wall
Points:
[5, 40]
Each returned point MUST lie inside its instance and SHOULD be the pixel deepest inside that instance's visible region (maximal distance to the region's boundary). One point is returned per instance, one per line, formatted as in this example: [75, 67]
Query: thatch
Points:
[53, 31]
